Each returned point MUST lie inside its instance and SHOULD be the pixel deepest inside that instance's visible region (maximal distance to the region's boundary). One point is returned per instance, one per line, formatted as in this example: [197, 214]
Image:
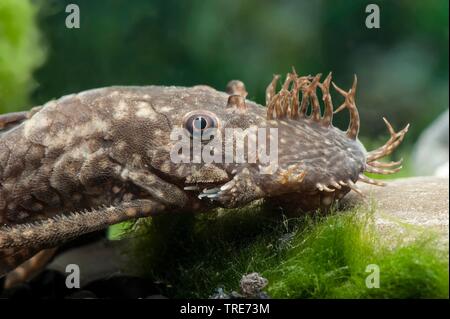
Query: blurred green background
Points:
[402, 67]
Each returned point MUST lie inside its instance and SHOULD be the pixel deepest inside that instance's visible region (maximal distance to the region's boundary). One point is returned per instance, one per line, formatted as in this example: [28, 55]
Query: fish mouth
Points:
[250, 184]
[205, 190]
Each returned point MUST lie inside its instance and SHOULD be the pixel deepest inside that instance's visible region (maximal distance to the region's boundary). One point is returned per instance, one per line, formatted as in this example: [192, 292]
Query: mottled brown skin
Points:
[96, 158]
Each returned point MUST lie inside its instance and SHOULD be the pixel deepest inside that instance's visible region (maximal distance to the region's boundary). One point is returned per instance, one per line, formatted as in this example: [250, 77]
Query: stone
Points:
[406, 202]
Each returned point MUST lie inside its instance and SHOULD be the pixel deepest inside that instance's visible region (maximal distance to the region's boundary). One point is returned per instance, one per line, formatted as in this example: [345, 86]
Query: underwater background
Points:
[402, 70]
[402, 67]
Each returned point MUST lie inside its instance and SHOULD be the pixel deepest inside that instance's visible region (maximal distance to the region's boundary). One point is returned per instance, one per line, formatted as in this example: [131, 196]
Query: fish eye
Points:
[198, 122]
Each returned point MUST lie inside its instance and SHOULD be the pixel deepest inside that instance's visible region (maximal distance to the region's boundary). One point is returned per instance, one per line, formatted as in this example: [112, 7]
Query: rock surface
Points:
[87, 258]
[406, 204]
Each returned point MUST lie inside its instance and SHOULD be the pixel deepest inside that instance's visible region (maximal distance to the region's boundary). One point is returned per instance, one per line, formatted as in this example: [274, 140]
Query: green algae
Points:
[313, 256]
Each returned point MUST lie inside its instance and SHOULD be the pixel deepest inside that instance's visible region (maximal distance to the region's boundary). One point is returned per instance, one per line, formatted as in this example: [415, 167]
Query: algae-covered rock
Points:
[408, 204]
[232, 252]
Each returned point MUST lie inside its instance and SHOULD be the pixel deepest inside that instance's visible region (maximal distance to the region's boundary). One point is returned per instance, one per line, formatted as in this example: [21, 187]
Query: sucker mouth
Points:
[215, 192]
[282, 181]
[212, 192]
